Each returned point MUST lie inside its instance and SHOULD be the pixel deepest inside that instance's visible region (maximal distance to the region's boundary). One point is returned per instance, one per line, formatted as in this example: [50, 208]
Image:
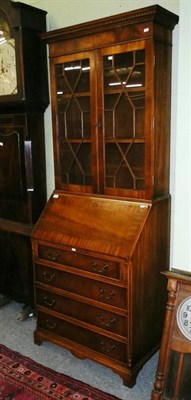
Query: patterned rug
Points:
[23, 379]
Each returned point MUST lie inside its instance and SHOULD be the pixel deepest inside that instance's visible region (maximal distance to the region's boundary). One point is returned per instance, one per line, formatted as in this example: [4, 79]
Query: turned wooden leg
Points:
[158, 385]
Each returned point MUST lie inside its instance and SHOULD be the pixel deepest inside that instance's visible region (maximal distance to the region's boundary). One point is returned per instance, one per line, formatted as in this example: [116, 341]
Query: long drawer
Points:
[96, 316]
[83, 286]
[111, 348]
[75, 259]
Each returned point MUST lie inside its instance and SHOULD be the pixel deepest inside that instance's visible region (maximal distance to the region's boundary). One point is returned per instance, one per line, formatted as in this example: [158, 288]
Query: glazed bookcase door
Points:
[124, 120]
[74, 122]
[102, 123]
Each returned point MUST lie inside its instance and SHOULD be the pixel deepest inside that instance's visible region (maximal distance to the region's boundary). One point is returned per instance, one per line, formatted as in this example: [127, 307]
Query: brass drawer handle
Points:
[48, 277]
[107, 348]
[49, 302]
[51, 325]
[101, 270]
[51, 256]
[108, 297]
[107, 324]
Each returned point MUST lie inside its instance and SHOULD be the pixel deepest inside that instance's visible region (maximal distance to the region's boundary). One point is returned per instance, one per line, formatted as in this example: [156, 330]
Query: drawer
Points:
[109, 347]
[84, 262]
[88, 288]
[81, 311]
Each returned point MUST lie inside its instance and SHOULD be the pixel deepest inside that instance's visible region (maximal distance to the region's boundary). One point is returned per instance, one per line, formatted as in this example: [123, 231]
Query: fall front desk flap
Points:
[102, 225]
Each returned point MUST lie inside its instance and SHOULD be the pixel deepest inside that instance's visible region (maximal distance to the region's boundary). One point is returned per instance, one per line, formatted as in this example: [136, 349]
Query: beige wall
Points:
[69, 12]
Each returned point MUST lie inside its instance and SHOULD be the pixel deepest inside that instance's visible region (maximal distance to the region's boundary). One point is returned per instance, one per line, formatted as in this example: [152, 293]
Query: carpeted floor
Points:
[18, 336]
[22, 379]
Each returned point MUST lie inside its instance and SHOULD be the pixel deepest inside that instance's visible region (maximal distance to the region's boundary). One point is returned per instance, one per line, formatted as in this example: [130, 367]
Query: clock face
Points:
[8, 72]
[184, 317]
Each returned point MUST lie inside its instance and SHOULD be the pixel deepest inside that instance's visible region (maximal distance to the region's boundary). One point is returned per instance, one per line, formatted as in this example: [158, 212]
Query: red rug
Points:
[23, 379]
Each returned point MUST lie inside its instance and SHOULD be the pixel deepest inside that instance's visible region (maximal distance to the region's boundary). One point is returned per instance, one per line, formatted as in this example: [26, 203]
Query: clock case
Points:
[172, 376]
[22, 150]
[25, 23]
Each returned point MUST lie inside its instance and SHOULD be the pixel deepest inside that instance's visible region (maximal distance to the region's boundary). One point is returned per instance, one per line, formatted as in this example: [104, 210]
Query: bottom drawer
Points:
[100, 343]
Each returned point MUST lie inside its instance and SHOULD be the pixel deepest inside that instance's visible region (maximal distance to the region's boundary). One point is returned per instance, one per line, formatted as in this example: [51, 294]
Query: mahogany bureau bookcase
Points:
[103, 237]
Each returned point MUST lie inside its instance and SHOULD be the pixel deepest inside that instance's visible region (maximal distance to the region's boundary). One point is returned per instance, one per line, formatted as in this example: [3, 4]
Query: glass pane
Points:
[124, 166]
[185, 383]
[75, 163]
[73, 98]
[177, 379]
[124, 119]
[73, 121]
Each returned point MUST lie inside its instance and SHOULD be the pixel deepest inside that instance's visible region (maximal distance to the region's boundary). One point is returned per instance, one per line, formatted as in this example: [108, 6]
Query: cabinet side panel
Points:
[151, 256]
[162, 95]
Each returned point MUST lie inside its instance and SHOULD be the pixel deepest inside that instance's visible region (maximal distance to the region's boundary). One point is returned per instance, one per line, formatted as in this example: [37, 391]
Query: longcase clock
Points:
[23, 100]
